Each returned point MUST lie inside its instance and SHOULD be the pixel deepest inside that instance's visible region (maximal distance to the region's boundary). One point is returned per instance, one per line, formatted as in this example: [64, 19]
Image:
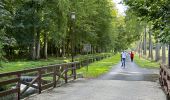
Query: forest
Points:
[37, 29]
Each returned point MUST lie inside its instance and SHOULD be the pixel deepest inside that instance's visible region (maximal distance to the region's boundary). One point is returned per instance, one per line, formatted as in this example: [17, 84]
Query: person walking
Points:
[123, 58]
[131, 56]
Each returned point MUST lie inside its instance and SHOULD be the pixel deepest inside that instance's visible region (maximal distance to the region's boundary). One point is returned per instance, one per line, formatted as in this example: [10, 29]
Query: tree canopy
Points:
[38, 28]
[155, 11]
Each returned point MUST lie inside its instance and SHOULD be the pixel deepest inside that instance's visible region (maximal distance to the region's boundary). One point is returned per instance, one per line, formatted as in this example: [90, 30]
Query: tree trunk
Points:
[67, 47]
[38, 45]
[33, 51]
[140, 49]
[52, 49]
[63, 49]
[150, 43]
[45, 45]
[144, 43]
[157, 52]
[163, 54]
[57, 50]
[151, 51]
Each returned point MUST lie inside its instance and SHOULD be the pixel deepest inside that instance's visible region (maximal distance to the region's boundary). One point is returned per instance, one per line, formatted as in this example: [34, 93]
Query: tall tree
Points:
[150, 45]
[156, 11]
[144, 42]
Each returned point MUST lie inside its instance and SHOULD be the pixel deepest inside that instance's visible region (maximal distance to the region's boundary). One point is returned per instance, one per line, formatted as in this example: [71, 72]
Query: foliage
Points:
[134, 27]
[155, 11]
[37, 28]
[1, 47]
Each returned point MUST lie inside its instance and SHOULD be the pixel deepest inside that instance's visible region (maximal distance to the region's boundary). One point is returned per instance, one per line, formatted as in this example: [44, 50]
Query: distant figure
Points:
[131, 56]
[123, 58]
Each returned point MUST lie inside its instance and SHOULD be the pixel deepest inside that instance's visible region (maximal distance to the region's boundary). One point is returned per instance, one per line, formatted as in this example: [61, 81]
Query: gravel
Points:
[104, 90]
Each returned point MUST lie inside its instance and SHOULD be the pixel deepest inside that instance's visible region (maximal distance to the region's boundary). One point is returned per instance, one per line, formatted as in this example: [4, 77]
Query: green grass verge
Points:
[20, 65]
[144, 63]
[100, 67]
[27, 64]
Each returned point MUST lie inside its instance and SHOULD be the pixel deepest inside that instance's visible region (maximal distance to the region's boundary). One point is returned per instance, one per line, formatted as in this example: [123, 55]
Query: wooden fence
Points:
[39, 74]
[164, 79]
[42, 78]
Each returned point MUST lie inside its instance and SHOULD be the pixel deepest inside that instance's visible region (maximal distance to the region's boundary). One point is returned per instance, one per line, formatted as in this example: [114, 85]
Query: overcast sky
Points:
[121, 8]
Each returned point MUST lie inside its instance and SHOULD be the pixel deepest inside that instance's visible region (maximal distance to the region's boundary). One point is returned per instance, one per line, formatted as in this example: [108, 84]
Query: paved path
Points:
[131, 73]
[131, 83]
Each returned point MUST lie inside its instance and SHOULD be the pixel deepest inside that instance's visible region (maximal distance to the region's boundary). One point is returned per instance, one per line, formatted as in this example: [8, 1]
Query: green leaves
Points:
[157, 11]
[32, 24]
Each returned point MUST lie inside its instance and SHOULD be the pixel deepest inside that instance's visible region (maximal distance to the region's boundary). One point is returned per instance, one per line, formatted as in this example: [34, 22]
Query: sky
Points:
[121, 8]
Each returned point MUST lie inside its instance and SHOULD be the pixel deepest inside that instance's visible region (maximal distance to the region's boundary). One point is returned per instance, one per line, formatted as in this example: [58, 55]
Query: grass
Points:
[144, 63]
[27, 64]
[20, 65]
[100, 67]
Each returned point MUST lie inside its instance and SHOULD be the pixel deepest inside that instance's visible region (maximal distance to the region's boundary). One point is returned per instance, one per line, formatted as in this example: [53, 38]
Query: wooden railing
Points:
[86, 62]
[164, 79]
[41, 78]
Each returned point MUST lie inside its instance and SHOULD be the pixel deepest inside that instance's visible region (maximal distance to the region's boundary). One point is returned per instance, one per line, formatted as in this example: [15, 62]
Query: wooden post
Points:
[65, 69]
[72, 68]
[18, 86]
[54, 76]
[39, 81]
[169, 55]
[87, 63]
[75, 71]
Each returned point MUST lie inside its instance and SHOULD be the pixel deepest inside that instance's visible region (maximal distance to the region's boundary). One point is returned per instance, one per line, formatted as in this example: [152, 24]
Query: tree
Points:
[150, 45]
[43, 27]
[155, 11]
[5, 18]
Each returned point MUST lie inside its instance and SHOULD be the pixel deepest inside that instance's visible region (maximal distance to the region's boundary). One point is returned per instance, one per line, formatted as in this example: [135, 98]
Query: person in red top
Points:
[131, 56]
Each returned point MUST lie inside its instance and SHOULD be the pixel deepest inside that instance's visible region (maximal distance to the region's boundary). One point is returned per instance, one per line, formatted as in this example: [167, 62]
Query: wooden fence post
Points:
[39, 81]
[66, 70]
[18, 86]
[74, 70]
[54, 76]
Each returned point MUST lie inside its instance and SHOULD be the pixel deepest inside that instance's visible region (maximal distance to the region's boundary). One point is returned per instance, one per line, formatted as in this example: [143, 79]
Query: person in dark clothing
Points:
[131, 56]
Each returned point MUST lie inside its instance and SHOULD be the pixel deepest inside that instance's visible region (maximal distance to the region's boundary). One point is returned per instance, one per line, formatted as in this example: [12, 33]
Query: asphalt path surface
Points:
[131, 72]
[129, 83]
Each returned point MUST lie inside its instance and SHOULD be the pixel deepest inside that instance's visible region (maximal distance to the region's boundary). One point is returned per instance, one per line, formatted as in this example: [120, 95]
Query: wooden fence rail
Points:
[41, 78]
[56, 71]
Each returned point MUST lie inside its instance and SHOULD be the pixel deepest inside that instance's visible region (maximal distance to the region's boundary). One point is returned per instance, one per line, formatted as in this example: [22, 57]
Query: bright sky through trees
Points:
[121, 8]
